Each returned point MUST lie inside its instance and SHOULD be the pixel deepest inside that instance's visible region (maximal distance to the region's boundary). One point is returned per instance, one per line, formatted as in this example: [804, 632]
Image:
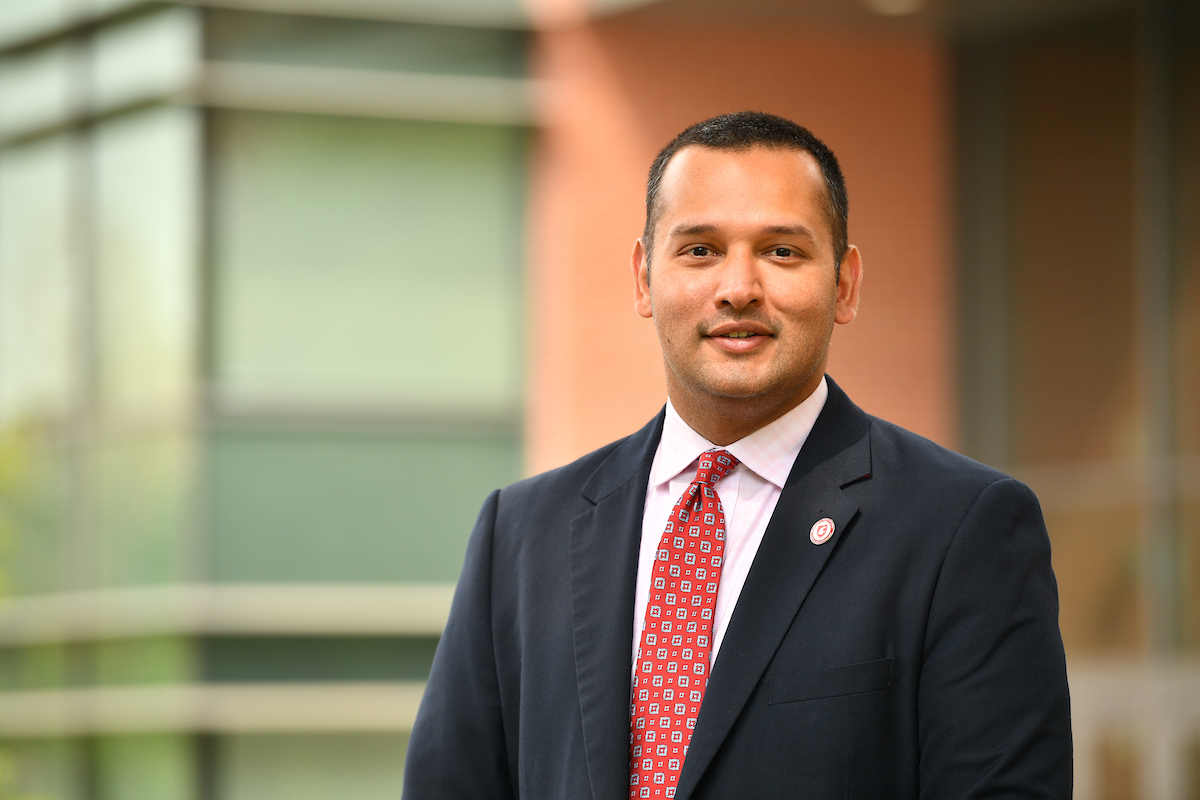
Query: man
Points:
[765, 592]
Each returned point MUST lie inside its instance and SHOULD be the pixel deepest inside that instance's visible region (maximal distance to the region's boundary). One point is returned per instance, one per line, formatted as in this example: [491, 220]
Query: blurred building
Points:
[287, 286]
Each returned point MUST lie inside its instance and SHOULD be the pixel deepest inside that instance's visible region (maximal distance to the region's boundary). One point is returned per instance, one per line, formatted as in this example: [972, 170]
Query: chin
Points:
[738, 390]
[744, 387]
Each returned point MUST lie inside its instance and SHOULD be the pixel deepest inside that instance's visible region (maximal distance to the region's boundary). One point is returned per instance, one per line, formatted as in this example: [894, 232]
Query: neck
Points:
[725, 420]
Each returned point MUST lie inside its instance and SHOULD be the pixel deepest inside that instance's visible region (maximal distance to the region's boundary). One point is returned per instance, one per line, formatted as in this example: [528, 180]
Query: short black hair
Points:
[741, 131]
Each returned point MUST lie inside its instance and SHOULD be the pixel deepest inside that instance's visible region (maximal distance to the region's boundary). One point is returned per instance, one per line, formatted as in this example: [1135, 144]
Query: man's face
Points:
[741, 284]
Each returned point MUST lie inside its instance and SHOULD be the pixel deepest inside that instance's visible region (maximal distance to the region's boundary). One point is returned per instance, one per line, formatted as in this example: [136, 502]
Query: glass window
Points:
[148, 57]
[36, 302]
[160, 659]
[308, 659]
[365, 766]
[36, 362]
[34, 513]
[35, 89]
[21, 19]
[365, 44]
[36, 667]
[1187, 325]
[1073, 316]
[1085, 399]
[1097, 561]
[147, 207]
[350, 506]
[109, 6]
[43, 768]
[1064, 164]
[1075, 376]
[143, 766]
[368, 263]
[143, 498]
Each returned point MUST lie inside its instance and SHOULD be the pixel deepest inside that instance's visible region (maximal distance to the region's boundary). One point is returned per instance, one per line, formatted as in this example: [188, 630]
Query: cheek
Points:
[806, 300]
[679, 302]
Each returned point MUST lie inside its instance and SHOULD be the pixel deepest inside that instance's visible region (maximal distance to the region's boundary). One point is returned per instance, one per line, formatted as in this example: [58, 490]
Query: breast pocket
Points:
[815, 684]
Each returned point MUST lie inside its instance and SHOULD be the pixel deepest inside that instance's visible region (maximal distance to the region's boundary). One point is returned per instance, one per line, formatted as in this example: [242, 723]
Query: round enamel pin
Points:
[822, 529]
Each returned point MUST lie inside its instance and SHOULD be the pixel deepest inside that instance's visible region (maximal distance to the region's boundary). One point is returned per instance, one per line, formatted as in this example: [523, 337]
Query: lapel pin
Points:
[822, 529]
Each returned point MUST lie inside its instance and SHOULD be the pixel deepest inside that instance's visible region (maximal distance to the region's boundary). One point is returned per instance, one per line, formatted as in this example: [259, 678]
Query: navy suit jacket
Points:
[915, 654]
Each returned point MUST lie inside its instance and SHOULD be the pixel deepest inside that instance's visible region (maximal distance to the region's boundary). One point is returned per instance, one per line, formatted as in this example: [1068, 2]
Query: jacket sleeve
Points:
[457, 748]
[994, 710]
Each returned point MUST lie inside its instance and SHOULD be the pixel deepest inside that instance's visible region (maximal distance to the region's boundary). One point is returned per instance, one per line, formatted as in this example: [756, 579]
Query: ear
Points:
[849, 279]
[641, 280]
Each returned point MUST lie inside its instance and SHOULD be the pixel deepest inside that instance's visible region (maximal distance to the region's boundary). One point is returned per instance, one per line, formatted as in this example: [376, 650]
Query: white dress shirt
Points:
[748, 494]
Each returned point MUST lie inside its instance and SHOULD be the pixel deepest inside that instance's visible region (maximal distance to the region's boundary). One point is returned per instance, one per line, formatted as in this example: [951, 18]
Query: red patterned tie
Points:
[672, 664]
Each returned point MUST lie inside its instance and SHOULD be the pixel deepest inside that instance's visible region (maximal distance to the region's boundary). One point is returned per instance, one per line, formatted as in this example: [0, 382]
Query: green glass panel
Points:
[35, 89]
[349, 506]
[145, 661]
[36, 667]
[109, 6]
[365, 44]
[361, 766]
[149, 56]
[368, 262]
[36, 370]
[33, 511]
[145, 766]
[147, 190]
[142, 487]
[35, 281]
[138, 661]
[33, 517]
[41, 769]
[242, 659]
[21, 19]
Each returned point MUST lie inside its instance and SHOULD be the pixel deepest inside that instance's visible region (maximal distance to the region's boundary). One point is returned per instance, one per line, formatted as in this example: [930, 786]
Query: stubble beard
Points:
[740, 387]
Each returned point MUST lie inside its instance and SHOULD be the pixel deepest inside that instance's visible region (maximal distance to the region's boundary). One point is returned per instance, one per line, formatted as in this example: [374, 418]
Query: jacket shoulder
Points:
[560, 481]
[588, 478]
[898, 452]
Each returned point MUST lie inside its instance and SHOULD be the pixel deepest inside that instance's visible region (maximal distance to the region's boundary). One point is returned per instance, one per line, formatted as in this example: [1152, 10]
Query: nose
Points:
[739, 283]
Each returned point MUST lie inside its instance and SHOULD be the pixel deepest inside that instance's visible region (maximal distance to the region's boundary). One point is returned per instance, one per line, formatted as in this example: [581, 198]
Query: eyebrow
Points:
[691, 230]
[775, 230]
[790, 230]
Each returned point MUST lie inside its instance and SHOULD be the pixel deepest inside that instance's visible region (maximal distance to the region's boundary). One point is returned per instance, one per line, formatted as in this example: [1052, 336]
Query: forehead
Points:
[768, 186]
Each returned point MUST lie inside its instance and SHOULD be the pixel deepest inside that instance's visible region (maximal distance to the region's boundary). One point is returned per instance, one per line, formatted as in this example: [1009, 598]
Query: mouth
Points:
[739, 329]
[740, 337]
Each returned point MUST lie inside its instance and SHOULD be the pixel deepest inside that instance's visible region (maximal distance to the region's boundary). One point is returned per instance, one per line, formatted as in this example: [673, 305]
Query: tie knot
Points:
[714, 465]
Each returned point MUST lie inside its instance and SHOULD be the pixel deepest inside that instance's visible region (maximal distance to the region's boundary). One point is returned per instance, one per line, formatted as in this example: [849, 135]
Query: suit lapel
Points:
[787, 564]
[604, 558]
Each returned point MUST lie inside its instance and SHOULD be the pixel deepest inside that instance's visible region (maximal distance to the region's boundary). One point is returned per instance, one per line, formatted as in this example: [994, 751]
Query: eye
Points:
[783, 252]
[699, 251]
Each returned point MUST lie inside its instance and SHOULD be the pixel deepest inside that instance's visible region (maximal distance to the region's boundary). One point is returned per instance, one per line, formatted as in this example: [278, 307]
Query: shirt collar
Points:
[769, 452]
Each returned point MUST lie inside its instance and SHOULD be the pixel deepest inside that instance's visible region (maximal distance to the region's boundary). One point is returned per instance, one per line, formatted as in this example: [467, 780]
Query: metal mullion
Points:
[81, 435]
[1154, 306]
[984, 292]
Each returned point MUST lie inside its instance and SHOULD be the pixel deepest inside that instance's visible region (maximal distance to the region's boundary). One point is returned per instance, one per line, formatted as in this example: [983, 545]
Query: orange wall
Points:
[617, 92]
